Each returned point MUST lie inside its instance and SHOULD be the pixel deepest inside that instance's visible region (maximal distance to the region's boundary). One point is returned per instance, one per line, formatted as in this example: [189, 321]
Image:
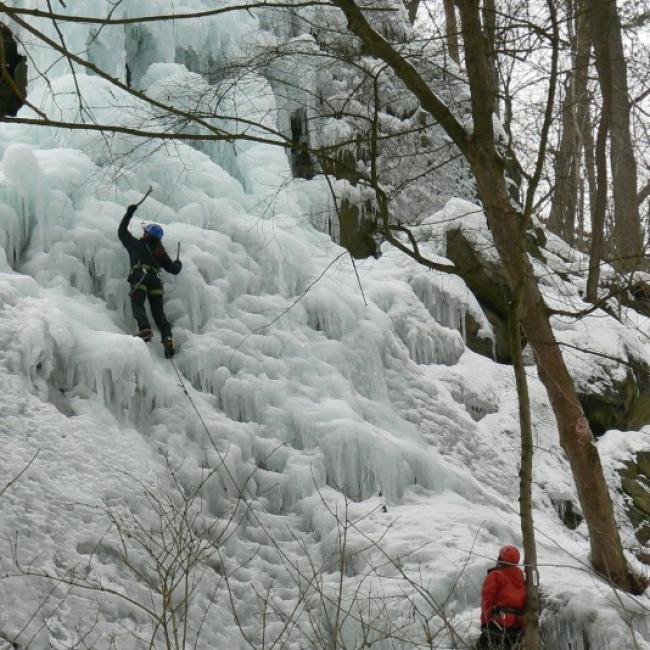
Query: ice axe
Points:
[141, 201]
[178, 251]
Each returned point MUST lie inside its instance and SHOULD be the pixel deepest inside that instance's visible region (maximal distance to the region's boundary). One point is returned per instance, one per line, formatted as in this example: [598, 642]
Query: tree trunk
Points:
[582, 112]
[565, 193]
[490, 29]
[412, 9]
[580, 217]
[451, 29]
[568, 160]
[605, 28]
[599, 211]
[587, 137]
[531, 618]
[575, 436]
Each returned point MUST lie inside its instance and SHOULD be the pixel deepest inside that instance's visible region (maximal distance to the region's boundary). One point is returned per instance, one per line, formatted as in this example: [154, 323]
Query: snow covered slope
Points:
[312, 466]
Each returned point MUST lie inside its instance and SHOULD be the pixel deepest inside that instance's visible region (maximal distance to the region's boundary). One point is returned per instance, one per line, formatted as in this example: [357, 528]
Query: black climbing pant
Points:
[149, 287]
[494, 637]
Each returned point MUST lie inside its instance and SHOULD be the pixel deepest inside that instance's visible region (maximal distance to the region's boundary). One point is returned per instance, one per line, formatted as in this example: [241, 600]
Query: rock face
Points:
[358, 233]
[476, 343]
[358, 229]
[13, 90]
[488, 282]
[568, 512]
[625, 405]
[302, 163]
[638, 294]
[636, 485]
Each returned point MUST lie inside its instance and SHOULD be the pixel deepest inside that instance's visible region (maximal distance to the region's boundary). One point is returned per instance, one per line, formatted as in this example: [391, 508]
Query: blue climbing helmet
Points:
[154, 230]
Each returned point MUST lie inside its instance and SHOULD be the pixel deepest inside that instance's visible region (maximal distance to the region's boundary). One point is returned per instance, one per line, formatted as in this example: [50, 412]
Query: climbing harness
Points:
[146, 270]
[137, 286]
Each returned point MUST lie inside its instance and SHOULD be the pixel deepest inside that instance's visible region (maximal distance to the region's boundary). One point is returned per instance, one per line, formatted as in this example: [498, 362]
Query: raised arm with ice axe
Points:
[147, 255]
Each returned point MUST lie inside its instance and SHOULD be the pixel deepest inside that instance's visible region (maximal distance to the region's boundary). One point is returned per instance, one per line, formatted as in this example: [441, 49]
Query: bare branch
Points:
[380, 48]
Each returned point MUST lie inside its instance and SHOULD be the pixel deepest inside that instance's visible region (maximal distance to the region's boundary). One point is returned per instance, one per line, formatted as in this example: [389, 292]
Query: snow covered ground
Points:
[329, 464]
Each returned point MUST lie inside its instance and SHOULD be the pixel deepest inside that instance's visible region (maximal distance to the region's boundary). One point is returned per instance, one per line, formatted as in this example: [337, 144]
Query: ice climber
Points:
[147, 255]
[503, 598]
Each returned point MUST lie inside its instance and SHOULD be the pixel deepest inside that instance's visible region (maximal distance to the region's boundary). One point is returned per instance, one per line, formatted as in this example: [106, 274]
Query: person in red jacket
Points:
[503, 598]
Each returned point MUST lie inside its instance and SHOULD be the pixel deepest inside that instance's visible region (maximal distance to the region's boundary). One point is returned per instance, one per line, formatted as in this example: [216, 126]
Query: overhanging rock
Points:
[13, 81]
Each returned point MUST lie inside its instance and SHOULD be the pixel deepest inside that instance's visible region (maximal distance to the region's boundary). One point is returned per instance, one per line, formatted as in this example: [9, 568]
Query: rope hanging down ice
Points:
[289, 559]
[222, 460]
[196, 410]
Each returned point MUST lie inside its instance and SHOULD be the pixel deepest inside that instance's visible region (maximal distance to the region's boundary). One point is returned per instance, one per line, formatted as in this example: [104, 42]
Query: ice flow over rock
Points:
[327, 453]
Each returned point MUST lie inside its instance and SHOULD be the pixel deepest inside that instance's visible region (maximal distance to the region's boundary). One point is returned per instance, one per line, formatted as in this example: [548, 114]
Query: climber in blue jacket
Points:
[147, 255]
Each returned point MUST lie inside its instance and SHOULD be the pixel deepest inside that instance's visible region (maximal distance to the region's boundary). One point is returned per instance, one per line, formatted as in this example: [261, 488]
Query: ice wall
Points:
[321, 405]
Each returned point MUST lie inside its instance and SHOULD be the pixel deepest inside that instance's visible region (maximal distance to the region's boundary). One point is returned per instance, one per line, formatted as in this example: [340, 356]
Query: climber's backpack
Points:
[13, 79]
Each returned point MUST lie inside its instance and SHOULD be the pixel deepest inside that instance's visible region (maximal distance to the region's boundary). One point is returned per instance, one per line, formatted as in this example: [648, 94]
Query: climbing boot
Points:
[145, 334]
[168, 345]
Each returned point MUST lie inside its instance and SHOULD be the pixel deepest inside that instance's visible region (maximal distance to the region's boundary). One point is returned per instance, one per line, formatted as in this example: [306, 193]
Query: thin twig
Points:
[354, 266]
[22, 471]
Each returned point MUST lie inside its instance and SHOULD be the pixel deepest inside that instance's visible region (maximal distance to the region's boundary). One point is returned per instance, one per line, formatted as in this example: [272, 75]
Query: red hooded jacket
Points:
[504, 587]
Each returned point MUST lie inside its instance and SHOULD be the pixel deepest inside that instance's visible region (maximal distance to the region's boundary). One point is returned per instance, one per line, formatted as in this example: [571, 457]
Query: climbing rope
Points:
[222, 458]
[196, 410]
[286, 310]
[286, 559]
[354, 266]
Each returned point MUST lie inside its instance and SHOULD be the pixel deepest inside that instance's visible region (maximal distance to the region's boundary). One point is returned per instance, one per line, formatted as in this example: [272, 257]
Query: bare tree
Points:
[166, 549]
[531, 618]
[480, 148]
[566, 201]
[611, 65]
